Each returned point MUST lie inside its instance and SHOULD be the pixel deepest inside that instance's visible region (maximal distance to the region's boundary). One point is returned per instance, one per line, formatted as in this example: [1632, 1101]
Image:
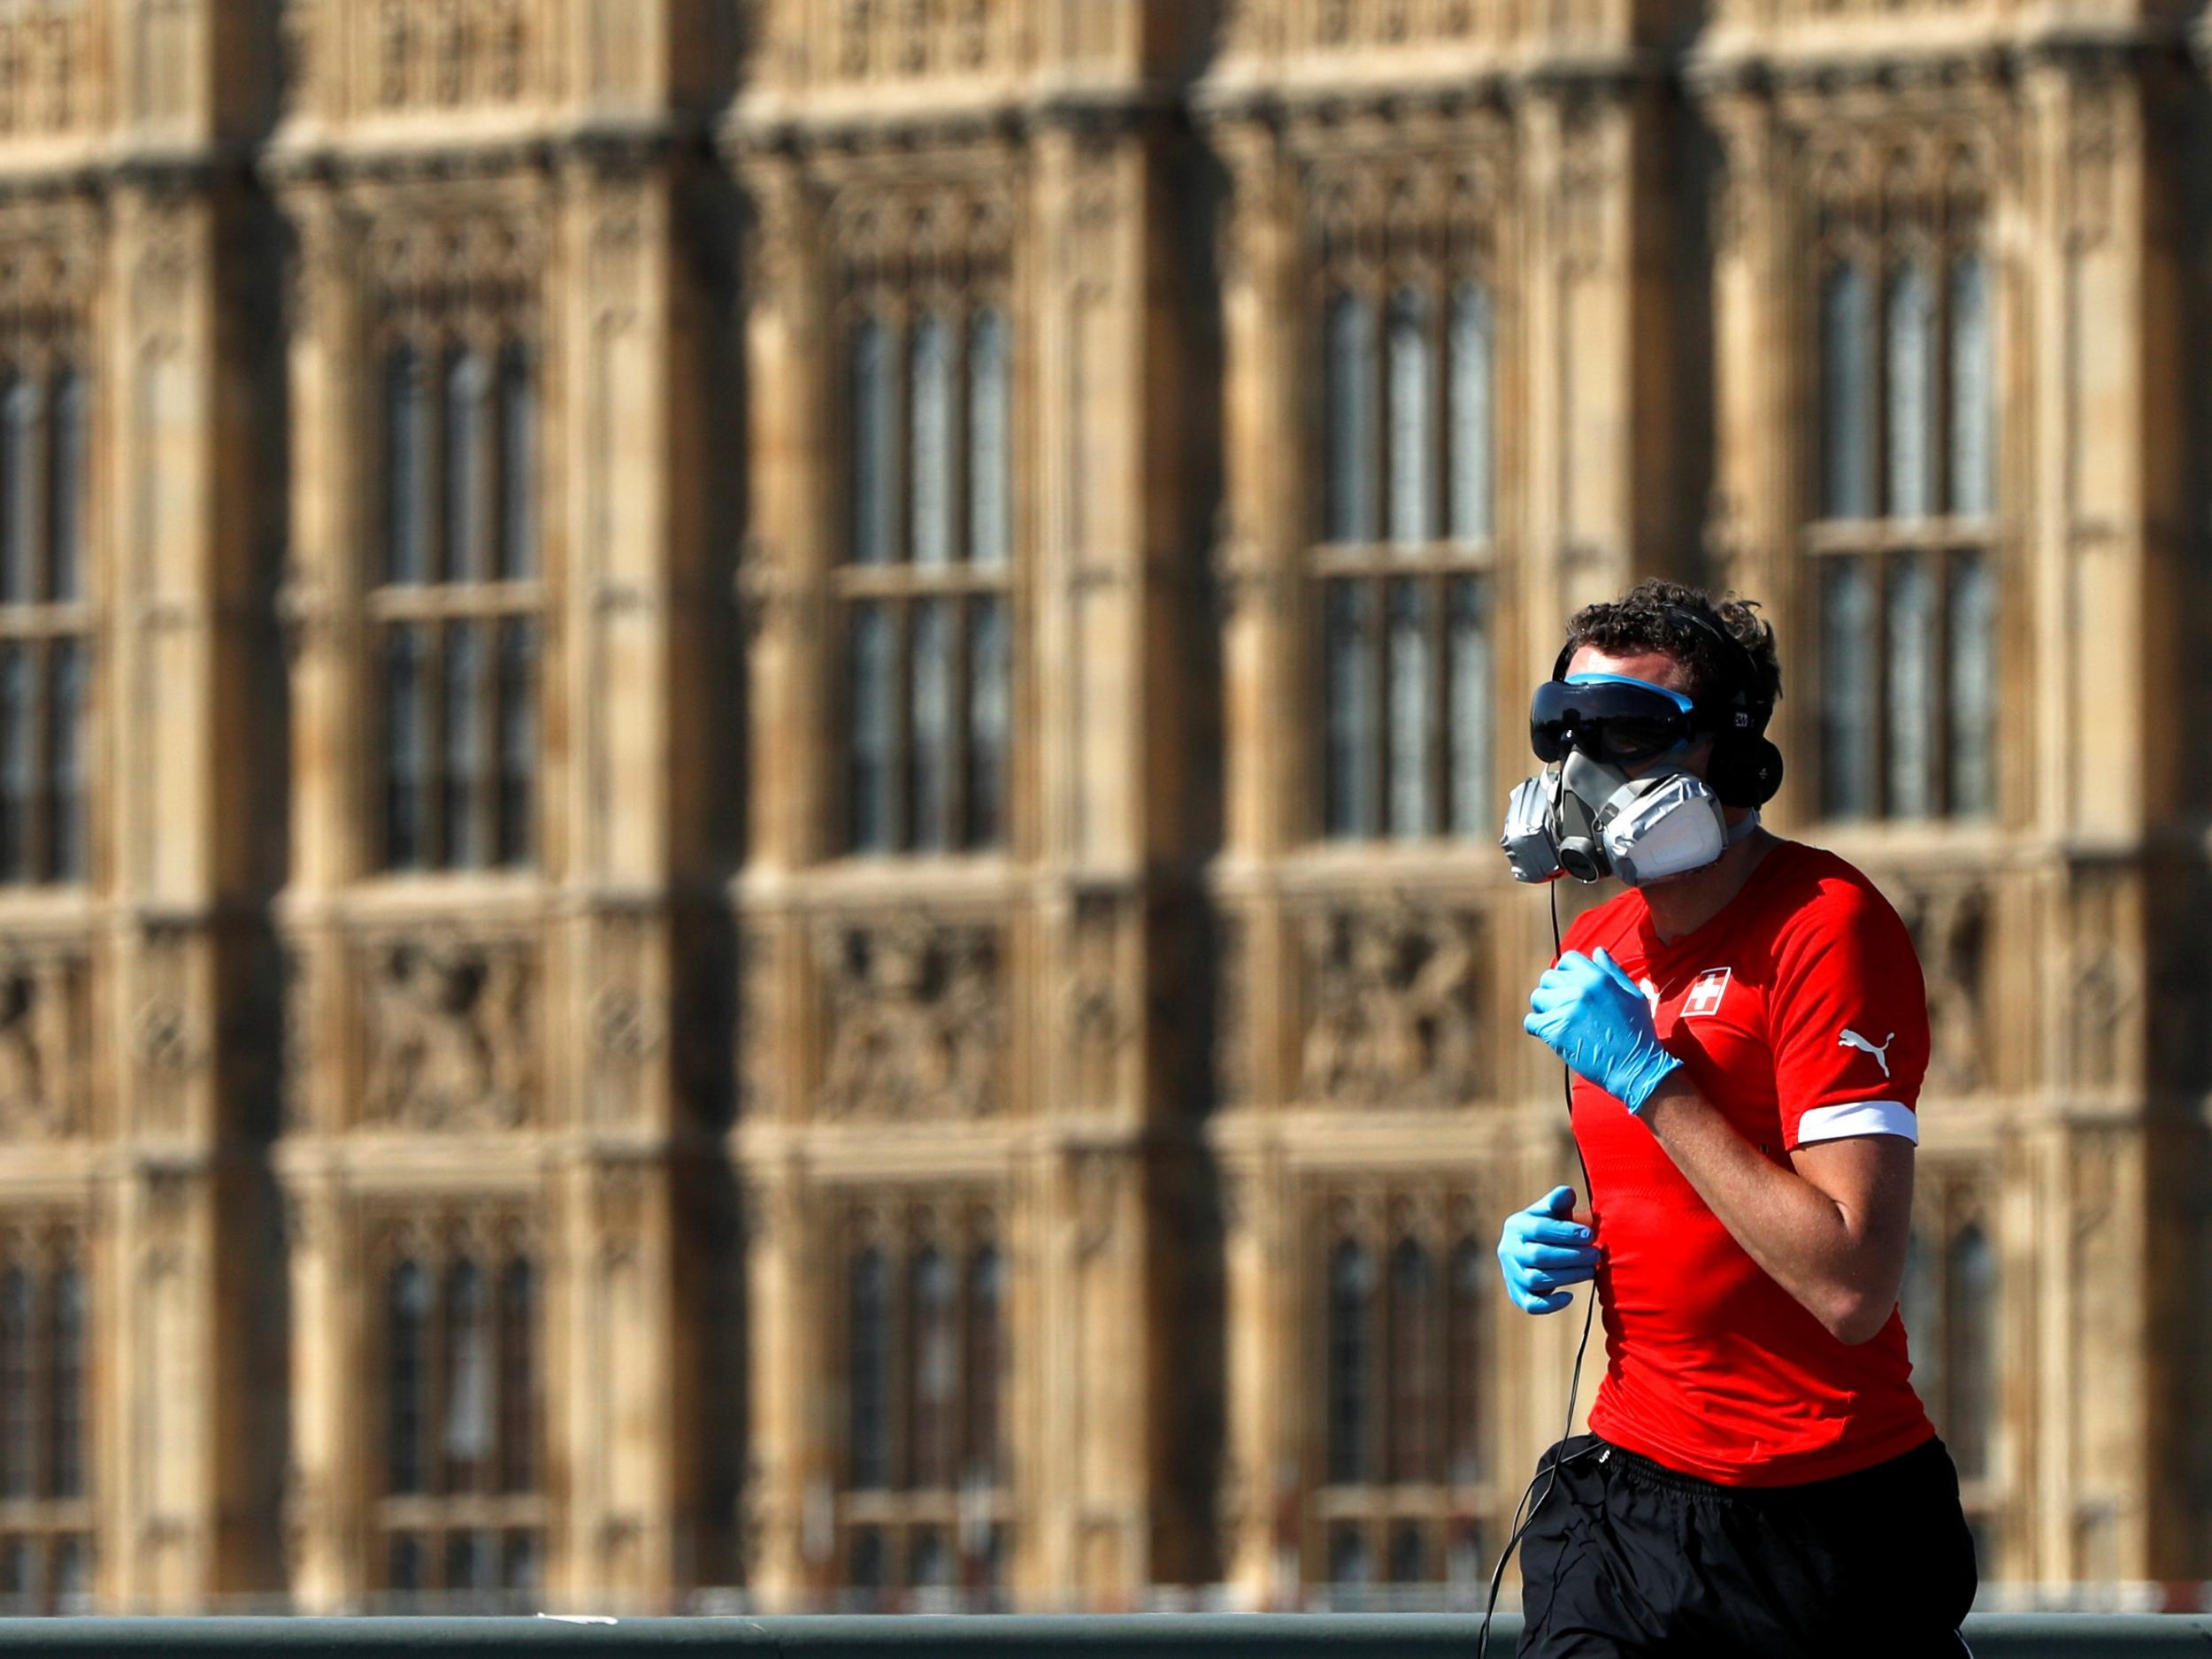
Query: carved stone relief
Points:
[1392, 1000]
[44, 1046]
[1095, 1013]
[915, 1019]
[451, 53]
[449, 1030]
[1950, 925]
[45, 56]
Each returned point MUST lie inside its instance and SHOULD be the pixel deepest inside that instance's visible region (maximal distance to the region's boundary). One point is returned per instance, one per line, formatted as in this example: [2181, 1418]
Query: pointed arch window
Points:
[1905, 531]
[1403, 548]
[46, 622]
[461, 1513]
[924, 1499]
[45, 1479]
[454, 618]
[1950, 1301]
[924, 587]
[1400, 1319]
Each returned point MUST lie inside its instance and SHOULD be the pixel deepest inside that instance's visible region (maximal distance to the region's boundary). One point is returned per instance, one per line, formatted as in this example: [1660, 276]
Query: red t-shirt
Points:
[1799, 1012]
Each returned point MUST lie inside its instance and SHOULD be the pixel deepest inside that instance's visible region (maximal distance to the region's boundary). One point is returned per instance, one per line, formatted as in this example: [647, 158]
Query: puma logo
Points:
[1851, 1040]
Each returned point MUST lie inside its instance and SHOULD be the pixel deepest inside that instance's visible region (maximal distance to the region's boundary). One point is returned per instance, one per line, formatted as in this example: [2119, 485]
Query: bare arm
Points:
[1830, 1230]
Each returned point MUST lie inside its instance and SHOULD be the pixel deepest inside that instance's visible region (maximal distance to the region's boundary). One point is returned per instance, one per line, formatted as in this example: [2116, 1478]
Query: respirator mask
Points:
[1584, 816]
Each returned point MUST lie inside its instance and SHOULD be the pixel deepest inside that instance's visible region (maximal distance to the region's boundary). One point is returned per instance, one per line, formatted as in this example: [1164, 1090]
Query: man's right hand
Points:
[1545, 1248]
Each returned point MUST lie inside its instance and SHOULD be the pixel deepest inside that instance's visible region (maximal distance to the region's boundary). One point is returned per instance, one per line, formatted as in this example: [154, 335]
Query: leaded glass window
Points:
[1905, 535]
[46, 624]
[925, 585]
[1399, 1317]
[1950, 1302]
[45, 1485]
[923, 1494]
[1403, 550]
[461, 1513]
[454, 618]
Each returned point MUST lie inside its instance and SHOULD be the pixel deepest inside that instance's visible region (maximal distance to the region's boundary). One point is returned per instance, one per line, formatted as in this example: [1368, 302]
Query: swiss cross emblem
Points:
[1706, 992]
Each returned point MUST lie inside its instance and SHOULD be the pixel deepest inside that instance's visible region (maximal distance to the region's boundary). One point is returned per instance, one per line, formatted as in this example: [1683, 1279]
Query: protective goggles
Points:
[1609, 718]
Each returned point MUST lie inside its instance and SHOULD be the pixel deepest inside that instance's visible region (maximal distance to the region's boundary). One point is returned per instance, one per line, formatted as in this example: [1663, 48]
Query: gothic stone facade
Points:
[747, 755]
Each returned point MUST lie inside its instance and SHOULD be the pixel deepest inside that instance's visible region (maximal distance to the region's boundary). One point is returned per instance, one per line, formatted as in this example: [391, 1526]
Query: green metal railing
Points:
[1150, 1636]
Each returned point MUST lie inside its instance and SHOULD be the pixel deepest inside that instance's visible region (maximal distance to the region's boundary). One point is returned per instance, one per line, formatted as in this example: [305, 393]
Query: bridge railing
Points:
[1143, 1636]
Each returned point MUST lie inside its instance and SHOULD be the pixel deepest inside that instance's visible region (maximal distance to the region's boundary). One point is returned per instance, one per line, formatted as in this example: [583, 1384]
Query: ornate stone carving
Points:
[44, 56]
[446, 53]
[628, 1015]
[1095, 1008]
[923, 232]
[757, 1008]
[1949, 926]
[457, 254]
[44, 1046]
[909, 40]
[915, 1017]
[450, 1034]
[1393, 1001]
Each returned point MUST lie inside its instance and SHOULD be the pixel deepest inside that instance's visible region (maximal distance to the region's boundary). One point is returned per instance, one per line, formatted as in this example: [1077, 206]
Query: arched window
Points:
[1348, 396]
[1411, 421]
[1911, 628]
[1348, 1559]
[868, 1382]
[923, 586]
[1470, 706]
[1471, 438]
[935, 1370]
[65, 1379]
[1350, 758]
[1350, 1408]
[1847, 404]
[1907, 627]
[467, 381]
[928, 1563]
[407, 781]
[518, 1377]
[1412, 1323]
[989, 454]
[466, 1440]
[19, 761]
[1910, 377]
[66, 792]
[460, 667]
[66, 489]
[407, 1382]
[1464, 1344]
[517, 470]
[406, 469]
[1919, 1304]
[875, 445]
[1409, 1554]
[986, 1300]
[1970, 1349]
[19, 1385]
[19, 581]
[1409, 735]
[930, 534]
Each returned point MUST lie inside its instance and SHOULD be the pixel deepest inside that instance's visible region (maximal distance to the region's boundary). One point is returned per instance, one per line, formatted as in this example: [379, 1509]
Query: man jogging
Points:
[1747, 1029]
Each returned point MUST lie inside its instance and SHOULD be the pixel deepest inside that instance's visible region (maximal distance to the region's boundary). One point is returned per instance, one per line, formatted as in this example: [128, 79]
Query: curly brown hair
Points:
[1653, 616]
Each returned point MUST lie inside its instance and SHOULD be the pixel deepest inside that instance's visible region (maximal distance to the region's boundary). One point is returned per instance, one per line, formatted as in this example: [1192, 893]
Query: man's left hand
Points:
[1597, 1019]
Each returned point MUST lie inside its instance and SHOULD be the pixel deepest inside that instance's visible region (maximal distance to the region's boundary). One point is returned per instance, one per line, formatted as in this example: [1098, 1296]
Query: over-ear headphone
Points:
[1746, 769]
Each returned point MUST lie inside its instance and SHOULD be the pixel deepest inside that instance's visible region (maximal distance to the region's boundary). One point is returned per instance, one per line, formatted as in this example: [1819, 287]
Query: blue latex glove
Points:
[1596, 1018]
[1544, 1248]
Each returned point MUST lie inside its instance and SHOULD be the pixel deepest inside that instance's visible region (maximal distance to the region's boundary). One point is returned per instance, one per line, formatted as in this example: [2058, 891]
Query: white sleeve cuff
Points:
[1861, 1117]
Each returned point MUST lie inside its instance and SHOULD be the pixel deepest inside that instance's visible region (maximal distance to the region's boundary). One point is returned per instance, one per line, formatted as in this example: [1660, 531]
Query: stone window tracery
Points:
[923, 586]
[46, 619]
[461, 1512]
[1406, 335]
[1950, 1301]
[456, 607]
[1904, 529]
[1403, 1311]
[46, 1537]
[927, 1501]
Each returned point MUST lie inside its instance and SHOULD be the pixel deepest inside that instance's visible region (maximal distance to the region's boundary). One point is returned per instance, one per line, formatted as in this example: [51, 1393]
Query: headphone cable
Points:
[1574, 1382]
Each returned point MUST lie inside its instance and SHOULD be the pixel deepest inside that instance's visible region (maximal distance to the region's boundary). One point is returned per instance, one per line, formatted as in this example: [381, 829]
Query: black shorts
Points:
[1626, 1557]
